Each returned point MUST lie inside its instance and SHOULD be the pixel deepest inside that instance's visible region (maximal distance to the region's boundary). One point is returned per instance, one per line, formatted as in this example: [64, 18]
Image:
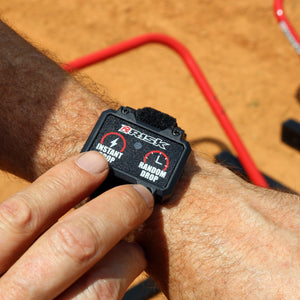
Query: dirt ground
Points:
[246, 58]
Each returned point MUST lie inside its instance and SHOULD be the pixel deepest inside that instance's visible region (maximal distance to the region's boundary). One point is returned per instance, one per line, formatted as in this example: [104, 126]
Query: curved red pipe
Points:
[255, 176]
[286, 26]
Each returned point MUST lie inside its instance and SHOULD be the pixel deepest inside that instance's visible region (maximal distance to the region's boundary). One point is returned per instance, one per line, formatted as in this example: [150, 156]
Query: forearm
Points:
[46, 115]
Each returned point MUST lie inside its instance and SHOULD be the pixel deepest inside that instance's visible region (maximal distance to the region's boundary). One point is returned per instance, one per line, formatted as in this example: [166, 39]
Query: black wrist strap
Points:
[155, 118]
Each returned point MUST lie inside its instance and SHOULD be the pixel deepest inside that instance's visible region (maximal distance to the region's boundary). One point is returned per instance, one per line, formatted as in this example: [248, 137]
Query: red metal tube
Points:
[255, 176]
[286, 26]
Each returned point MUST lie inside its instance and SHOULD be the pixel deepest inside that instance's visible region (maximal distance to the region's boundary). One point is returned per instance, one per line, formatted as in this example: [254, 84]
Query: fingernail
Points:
[92, 162]
[145, 193]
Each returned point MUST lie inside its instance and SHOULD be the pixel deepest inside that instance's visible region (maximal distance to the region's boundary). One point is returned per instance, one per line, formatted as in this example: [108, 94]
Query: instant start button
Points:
[111, 146]
[109, 153]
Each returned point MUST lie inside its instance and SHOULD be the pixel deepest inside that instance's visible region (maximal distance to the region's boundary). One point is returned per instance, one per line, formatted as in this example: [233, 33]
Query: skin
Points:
[42, 257]
[222, 238]
[46, 115]
[218, 237]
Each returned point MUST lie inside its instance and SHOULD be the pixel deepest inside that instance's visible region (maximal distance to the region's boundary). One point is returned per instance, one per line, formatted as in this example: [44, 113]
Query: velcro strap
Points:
[155, 118]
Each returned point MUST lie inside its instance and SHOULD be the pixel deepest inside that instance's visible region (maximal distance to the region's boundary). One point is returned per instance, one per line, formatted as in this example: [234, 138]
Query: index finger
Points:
[25, 215]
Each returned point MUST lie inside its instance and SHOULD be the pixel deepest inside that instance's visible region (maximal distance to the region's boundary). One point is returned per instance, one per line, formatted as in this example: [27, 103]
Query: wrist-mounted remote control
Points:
[142, 146]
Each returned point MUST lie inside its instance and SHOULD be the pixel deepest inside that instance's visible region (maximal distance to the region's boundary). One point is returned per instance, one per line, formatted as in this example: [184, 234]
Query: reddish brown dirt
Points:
[246, 58]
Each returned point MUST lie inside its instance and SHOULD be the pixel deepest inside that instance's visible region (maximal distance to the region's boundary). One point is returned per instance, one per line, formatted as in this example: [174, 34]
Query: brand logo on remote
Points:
[144, 137]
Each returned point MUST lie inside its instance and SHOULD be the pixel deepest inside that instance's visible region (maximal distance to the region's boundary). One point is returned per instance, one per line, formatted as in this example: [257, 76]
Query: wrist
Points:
[219, 237]
[183, 239]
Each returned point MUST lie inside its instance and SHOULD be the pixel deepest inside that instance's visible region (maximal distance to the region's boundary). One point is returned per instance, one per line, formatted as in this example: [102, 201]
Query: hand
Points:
[222, 238]
[80, 256]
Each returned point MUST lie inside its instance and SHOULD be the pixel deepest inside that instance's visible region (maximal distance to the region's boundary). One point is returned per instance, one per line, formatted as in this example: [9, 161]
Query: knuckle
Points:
[17, 213]
[77, 241]
[59, 182]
